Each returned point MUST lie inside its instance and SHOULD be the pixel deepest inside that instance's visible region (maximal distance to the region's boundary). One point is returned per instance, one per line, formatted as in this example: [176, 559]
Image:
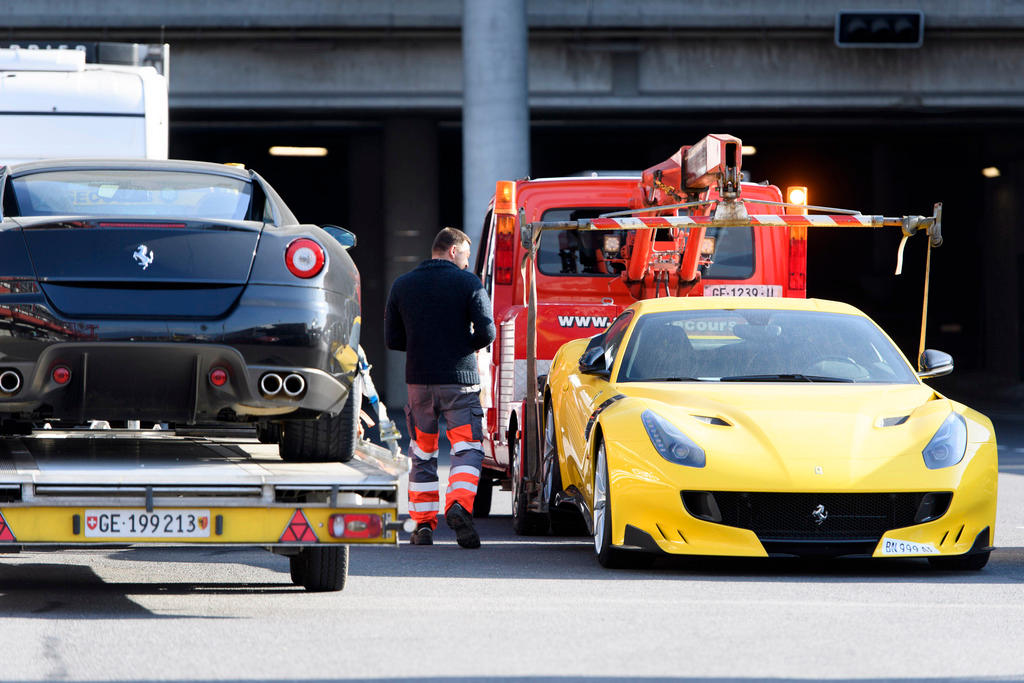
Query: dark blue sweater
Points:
[439, 315]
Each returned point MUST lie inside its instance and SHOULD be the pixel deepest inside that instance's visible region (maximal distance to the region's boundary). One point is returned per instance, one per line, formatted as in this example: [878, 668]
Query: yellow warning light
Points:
[796, 195]
[991, 172]
[505, 198]
[748, 150]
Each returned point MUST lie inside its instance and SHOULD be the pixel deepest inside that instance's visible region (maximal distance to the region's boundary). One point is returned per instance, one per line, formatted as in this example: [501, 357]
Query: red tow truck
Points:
[562, 257]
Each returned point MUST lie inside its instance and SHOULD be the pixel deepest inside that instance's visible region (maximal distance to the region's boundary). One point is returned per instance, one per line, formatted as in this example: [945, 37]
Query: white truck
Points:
[83, 100]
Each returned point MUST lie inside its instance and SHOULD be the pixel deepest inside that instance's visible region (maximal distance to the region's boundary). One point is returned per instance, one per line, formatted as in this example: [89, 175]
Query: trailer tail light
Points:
[304, 258]
[504, 248]
[355, 526]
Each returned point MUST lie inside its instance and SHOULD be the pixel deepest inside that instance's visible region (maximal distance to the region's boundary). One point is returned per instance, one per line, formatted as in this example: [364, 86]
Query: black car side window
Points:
[613, 336]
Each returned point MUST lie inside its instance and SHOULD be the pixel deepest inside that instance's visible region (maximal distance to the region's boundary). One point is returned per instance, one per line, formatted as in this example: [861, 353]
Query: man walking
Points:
[440, 315]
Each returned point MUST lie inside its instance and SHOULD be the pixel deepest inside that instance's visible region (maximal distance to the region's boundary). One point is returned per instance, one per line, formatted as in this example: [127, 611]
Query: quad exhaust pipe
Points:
[293, 384]
[10, 382]
[271, 383]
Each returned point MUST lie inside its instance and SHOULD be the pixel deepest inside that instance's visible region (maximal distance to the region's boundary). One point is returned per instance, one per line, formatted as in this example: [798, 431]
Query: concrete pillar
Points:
[1000, 254]
[365, 171]
[495, 103]
[411, 215]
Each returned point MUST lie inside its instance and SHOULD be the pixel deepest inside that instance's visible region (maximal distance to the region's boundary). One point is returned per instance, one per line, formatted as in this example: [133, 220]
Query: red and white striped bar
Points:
[841, 220]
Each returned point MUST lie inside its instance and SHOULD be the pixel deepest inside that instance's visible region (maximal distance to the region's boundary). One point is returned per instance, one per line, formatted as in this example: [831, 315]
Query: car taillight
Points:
[304, 258]
[61, 374]
[355, 526]
[505, 248]
[218, 377]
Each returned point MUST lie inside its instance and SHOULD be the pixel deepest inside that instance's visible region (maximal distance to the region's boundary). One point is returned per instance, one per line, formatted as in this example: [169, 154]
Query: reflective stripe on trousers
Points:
[460, 406]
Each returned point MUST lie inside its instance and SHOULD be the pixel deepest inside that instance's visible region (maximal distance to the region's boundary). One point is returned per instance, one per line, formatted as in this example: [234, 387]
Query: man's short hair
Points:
[448, 238]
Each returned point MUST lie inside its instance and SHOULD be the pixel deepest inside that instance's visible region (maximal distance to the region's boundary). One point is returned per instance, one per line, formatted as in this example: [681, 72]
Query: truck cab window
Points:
[572, 252]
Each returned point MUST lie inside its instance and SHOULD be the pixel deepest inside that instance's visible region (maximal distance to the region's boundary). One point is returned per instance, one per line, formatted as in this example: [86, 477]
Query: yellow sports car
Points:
[764, 427]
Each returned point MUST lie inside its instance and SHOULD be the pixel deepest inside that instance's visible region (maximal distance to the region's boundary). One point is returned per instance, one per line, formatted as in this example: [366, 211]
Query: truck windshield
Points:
[599, 253]
[760, 345]
[135, 192]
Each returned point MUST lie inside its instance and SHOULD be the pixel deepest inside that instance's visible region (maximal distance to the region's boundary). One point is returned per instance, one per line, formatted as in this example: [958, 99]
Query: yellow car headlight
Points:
[949, 444]
[671, 443]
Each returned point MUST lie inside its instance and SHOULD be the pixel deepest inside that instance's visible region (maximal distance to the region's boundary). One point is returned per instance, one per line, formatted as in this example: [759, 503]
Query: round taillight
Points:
[61, 374]
[304, 258]
[218, 377]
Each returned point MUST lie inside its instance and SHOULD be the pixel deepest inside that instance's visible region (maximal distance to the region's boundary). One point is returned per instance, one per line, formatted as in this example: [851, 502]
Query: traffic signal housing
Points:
[880, 28]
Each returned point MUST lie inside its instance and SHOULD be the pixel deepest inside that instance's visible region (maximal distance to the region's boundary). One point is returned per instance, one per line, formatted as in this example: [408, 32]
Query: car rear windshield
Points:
[761, 345]
[599, 253]
[138, 193]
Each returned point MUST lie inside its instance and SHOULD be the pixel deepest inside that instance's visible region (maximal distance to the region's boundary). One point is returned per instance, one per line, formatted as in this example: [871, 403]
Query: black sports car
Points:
[174, 291]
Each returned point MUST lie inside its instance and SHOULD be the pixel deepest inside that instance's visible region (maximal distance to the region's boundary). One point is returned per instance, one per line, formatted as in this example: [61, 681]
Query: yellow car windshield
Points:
[760, 345]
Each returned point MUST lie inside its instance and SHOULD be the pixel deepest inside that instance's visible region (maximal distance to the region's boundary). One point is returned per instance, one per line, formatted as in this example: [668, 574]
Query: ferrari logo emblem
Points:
[819, 514]
[143, 256]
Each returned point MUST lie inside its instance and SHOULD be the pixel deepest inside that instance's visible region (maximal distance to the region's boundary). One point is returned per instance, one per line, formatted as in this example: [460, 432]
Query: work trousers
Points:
[460, 406]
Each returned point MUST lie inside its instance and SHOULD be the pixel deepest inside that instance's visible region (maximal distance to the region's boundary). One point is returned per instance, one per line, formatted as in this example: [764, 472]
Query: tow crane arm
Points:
[729, 213]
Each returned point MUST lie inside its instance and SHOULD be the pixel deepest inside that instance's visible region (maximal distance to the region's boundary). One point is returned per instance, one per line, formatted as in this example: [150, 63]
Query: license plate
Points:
[894, 546]
[127, 523]
[742, 290]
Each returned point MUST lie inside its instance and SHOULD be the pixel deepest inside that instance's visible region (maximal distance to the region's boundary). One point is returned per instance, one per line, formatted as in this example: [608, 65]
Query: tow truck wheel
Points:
[524, 522]
[329, 439]
[484, 495]
[563, 521]
[320, 569]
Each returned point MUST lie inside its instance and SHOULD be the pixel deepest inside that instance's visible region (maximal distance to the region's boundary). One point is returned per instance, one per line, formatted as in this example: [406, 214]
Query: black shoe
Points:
[462, 522]
[423, 535]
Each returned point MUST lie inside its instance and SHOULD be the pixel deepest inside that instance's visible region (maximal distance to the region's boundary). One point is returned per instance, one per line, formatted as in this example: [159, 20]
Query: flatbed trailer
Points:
[84, 488]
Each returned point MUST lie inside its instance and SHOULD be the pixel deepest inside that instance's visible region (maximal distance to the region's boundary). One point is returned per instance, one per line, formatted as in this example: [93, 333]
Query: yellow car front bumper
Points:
[648, 511]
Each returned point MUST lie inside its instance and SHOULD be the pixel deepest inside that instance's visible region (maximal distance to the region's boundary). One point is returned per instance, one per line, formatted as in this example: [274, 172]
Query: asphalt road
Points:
[523, 610]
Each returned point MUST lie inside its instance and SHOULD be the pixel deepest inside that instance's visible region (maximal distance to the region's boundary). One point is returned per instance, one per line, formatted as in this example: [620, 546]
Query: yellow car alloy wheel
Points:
[602, 511]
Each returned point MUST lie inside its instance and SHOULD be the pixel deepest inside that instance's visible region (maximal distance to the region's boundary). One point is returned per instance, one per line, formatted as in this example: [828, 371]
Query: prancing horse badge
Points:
[143, 256]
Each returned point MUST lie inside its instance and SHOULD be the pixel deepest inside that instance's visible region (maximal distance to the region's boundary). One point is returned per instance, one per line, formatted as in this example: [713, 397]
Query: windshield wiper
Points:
[784, 378]
[673, 379]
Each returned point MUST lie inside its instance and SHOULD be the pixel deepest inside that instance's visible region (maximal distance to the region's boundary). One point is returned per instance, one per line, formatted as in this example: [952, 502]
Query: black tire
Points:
[297, 567]
[484, 496]
[563, 520]
[268, 432]
[322, 569]
[524, 522]
[961, 563]
[329, 439]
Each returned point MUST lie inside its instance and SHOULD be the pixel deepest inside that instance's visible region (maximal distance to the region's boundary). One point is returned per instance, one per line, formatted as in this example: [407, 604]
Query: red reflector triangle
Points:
[5, 531]
[299, 530]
